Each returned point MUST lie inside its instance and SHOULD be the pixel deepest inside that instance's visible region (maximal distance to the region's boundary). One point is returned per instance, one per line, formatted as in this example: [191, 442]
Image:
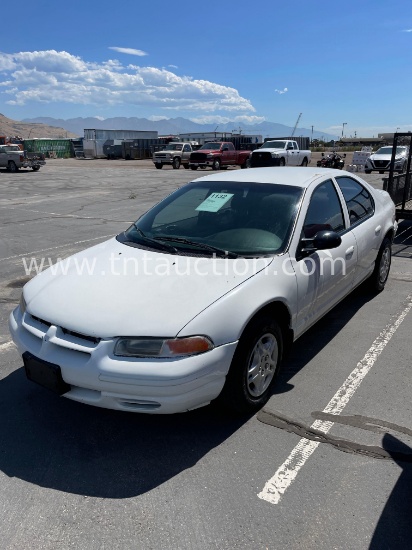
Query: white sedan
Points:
[381, 160]
[200, 297]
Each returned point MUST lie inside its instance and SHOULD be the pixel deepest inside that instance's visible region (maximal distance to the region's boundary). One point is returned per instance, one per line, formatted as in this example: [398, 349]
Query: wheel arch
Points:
[279, 311]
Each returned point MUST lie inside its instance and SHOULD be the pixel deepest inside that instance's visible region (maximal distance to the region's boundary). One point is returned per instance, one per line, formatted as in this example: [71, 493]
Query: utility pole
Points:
[343, 127]
[311, 136]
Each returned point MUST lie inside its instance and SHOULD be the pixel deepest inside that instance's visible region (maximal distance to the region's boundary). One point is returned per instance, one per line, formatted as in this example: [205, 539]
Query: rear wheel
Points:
[216, 164]
[254, 367]
[176, 163]
[380, 274]
[11, 167]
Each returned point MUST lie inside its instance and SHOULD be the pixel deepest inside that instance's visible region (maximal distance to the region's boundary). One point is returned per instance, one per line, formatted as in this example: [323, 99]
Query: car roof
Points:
[278, 175]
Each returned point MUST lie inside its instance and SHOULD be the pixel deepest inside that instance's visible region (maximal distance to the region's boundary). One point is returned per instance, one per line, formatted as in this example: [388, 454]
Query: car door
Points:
[323, 277]
[366, 228]
[187, 149]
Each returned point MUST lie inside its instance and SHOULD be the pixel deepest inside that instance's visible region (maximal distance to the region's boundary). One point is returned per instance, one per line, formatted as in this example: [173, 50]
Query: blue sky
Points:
[212, 62]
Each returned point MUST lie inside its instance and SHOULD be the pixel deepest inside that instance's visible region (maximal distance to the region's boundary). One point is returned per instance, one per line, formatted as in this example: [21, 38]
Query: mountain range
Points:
[173, 126]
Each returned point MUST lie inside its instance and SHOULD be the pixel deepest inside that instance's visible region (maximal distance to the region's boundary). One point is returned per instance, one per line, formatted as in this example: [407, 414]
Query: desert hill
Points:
[25, 130]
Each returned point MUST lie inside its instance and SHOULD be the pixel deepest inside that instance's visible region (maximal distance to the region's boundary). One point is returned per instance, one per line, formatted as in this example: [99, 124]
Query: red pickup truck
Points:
[217, 155]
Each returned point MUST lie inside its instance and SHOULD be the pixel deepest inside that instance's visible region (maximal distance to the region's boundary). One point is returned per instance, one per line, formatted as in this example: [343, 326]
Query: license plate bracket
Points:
[45, 374]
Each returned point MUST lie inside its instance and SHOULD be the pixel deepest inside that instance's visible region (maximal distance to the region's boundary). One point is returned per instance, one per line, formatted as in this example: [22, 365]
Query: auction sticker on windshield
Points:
[214, 202]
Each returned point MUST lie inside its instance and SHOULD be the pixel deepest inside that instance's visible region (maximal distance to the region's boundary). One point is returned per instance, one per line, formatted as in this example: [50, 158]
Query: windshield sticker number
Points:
[214, 202]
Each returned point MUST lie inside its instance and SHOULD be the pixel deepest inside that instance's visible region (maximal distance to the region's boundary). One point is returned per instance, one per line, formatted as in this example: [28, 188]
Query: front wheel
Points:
[304, 162]
[186, 166]
[254, 366]
[35, 168]
[368, 171]
[11, 167]
[282, 162]
[380, 274]
[216, 164]
[159, 166]
[193, 167]
[176, 163]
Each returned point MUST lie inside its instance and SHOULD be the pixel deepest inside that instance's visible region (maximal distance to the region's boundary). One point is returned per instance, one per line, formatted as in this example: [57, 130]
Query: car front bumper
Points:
[97, 377]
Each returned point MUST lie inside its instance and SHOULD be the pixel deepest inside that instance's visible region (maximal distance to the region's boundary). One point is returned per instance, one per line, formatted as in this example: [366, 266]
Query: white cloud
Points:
[407, 30]
[281, 91]
[51, 76]
[173, 66]
[130, 51]
[156, 118]
[99, 117]
[214, 119]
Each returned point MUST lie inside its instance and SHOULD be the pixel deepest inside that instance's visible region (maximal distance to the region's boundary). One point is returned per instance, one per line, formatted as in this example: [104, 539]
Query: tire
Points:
[381, 171]
[246, 164]
[304, 162]
[159, 166]
[35, 168]
[193, 167]
[368, 171]
[11, 167]
[282, 162]
[176, 163]
[186, 166]
[380, 274]
[216, 164]
[260, 351]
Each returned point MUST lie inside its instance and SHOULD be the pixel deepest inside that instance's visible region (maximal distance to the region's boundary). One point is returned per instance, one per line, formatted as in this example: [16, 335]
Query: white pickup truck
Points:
[13, 158]
[175, 154]
[279, 152]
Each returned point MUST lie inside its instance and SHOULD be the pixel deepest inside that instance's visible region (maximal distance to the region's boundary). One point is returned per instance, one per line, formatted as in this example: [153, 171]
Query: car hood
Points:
[384, 157]
[268, 150]
[207, 151]
[116, 290]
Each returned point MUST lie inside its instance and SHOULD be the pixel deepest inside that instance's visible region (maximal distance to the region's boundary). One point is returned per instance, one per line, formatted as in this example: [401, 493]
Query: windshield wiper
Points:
[156, 243]
[219, 251]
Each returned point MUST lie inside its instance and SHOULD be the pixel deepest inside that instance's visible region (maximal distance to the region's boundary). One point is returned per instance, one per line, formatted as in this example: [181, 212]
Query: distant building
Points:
[96, 141]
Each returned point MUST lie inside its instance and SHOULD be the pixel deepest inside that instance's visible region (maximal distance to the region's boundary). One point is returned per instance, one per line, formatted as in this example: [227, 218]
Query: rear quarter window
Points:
[358, 199]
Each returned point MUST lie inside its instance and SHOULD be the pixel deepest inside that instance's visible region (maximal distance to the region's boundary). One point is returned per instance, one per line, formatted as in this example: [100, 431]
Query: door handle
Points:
[350, 251]
[378, 230]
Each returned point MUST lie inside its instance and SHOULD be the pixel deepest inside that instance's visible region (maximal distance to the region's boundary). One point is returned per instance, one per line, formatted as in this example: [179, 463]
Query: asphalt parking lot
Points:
[72, 476]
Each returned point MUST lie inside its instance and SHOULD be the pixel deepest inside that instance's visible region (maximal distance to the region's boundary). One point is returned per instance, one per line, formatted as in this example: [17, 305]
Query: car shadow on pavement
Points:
[60, 444]
[394, 528]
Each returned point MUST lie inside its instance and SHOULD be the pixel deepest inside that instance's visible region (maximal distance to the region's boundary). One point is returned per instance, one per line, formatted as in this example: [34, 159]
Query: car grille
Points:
[198, 157]
[59, 336]
[263, 159]
[381, 163]
[160, 156]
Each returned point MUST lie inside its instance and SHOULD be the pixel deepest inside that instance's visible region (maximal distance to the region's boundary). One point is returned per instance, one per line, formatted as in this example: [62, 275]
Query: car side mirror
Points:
[323, 240]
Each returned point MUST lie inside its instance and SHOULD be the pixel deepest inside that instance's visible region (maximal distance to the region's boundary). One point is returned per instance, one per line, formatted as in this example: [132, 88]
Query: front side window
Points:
[242, 218]
[324, 211]
[358, 200]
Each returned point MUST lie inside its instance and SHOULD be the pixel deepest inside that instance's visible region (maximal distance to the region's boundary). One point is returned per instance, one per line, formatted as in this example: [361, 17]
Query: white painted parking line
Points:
[55, 247]
[6, 346]
[276, 487]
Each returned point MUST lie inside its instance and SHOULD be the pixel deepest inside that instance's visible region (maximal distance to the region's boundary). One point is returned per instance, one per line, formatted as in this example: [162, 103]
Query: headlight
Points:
[210, 155]
[162, 347]
[22, 304]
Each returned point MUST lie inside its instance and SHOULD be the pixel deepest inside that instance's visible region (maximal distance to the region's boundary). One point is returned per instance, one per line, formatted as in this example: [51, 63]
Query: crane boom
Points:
[296, 125]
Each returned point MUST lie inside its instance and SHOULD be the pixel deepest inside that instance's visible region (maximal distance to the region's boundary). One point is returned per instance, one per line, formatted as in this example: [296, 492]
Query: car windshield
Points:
[388, 151]
[173, 147]
[205, 218]
[214, 146]
[273, 145]
[11, 148]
